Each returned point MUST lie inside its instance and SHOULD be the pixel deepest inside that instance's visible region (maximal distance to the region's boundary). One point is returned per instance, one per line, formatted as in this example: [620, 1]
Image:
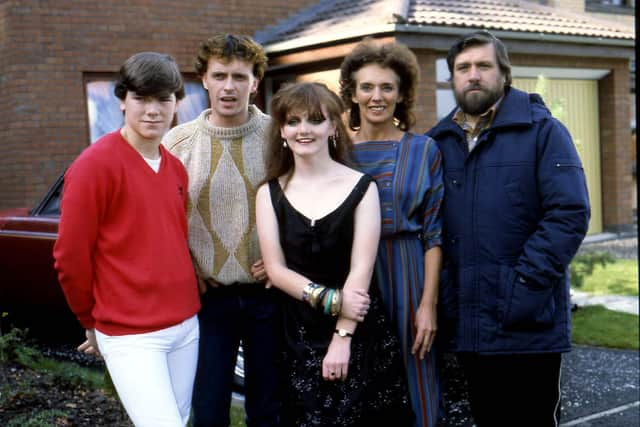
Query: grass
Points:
[237, 416]
[44, 418]
[617, 278]
[597, 326]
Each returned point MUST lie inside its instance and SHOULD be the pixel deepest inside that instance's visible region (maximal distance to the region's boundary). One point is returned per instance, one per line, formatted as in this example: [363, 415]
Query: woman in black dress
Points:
[319, 225]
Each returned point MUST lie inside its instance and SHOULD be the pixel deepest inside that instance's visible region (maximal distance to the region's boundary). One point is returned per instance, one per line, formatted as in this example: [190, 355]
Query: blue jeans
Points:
[250, 313]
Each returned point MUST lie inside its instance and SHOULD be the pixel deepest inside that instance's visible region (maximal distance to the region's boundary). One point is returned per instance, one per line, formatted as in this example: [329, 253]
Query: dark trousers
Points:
[250, 313]
[513, 390]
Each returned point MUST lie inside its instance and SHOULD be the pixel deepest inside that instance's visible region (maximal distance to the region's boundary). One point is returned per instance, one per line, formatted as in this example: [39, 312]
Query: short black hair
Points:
[149, 74]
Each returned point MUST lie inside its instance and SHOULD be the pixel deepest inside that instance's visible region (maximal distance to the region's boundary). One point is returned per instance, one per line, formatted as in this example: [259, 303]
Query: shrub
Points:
[584, 263]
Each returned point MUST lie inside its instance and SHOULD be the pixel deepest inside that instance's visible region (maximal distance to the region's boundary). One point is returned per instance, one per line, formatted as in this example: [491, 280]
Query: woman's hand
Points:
[90, 346]
[335, 365]
[426, 326]
[355, 304]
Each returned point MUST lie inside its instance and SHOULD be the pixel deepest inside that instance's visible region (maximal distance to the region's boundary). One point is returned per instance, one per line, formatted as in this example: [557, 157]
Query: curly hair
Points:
[306, 98]
[394, 56]
[149, 74]
[228, 47]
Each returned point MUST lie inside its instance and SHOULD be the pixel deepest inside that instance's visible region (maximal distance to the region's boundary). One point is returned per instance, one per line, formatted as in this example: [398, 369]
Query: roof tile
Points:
[330, 17]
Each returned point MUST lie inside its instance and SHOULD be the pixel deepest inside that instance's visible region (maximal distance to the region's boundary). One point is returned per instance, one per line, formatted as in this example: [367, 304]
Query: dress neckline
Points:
[314, 221]
[405, 135]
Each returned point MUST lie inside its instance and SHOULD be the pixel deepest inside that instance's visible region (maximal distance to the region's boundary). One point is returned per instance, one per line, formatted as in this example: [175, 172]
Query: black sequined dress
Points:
[374, 392]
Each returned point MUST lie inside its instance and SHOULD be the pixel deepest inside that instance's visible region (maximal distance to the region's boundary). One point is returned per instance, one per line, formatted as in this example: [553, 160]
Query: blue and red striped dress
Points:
[409, 177]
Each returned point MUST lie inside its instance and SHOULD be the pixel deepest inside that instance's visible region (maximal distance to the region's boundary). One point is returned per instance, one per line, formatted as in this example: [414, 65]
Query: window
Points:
[610, 6]
[104, 111]
[445, 101]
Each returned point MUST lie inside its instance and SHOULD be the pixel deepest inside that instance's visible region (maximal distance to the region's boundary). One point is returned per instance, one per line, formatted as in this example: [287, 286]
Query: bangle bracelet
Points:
[328, 300]
[308, 290]
[318, 297]
[336, 302]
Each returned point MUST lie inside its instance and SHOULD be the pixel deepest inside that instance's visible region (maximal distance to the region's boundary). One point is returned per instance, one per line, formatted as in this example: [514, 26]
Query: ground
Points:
[34, 399]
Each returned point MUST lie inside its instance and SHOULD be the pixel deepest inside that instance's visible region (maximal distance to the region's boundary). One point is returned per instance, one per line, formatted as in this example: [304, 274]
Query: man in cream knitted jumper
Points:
[223, 152]
[225, 167]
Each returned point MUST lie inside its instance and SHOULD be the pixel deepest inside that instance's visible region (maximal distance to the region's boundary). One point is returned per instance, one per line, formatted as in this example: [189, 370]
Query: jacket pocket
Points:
[527, 305]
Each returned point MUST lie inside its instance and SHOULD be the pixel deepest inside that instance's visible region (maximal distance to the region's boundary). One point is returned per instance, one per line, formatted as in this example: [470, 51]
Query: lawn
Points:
[597, 326]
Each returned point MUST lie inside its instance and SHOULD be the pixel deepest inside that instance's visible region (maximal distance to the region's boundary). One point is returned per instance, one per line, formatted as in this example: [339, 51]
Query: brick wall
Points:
[425, 107]
[47, 45]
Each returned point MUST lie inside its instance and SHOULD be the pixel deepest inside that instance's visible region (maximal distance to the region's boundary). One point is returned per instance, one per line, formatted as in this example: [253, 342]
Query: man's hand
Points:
[259, 273]
[90, 346]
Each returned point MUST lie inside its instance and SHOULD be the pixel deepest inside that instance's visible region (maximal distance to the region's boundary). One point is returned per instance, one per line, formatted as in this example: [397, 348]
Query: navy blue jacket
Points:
[515, 212]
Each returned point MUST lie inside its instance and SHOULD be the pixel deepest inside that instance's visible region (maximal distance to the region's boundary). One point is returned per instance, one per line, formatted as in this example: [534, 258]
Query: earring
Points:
[332, 140]
[284, 143]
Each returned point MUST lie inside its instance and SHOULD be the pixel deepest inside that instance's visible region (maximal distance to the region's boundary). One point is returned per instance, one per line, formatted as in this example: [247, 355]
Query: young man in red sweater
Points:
[122, 255]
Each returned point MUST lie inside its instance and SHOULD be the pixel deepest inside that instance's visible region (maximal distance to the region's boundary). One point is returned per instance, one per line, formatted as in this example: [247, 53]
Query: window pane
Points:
[445, 102]
[442, 71]
[104, 108]
[194, 101]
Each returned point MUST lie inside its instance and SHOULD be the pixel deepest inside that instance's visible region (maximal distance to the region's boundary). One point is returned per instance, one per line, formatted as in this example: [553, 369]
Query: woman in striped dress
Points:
[379, 82]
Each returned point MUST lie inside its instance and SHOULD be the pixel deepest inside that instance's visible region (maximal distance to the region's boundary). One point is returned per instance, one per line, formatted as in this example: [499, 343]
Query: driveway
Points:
[600, 387]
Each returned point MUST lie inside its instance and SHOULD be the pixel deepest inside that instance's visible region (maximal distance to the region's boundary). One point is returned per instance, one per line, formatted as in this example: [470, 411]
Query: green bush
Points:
[584, 263]
[13, 348]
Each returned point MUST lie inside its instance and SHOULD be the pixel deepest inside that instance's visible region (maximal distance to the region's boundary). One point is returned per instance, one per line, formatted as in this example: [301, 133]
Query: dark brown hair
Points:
[306, 98]
[480, 38]
[149, 74]
[394, 56]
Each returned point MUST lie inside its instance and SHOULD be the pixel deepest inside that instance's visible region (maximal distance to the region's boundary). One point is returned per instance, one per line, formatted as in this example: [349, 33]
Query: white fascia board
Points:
[559, 73]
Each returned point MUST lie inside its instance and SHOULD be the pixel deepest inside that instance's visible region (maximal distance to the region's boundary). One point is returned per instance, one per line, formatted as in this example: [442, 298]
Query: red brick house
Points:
[57, 58]
[563, 48]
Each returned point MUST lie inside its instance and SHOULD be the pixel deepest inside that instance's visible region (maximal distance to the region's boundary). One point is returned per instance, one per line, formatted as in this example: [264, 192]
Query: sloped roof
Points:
[331, 20]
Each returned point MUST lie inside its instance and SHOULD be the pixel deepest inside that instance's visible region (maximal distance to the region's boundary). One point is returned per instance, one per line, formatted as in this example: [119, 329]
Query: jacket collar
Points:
[516, 109]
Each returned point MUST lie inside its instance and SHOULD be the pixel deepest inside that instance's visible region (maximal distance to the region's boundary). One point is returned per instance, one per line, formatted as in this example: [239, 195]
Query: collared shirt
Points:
[484, 121]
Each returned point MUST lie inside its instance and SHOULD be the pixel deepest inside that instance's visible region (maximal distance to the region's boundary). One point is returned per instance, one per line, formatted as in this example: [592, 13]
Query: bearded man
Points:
[515, 212]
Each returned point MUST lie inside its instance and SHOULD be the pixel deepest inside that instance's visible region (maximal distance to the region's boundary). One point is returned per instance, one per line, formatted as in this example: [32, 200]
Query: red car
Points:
[30, 295]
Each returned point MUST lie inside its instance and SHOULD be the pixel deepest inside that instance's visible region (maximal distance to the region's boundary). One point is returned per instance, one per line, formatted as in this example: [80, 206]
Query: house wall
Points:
[46, 46]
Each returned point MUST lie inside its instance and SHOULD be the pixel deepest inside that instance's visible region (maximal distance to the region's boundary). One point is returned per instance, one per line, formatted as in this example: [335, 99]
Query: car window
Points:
[52, 206]
[50, 203]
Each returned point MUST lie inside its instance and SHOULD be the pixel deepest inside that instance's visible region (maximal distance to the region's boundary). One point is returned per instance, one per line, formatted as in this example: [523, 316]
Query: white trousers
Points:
[153, 372]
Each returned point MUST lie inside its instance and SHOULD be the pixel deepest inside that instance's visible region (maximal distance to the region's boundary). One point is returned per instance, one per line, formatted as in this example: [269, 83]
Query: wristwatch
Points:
[343, 333]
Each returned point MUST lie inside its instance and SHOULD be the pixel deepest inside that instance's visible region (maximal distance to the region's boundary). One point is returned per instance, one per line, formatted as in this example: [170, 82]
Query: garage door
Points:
[575, 103]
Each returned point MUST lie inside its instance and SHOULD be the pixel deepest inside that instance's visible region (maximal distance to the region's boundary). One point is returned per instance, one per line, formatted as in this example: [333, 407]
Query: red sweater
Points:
[121, 254]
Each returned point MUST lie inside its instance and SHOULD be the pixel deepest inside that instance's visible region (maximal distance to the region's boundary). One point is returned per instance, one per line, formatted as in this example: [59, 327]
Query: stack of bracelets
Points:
[327, 300]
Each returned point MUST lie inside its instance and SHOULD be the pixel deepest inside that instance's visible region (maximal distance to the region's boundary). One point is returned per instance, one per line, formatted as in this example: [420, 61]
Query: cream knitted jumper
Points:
[225, 166]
